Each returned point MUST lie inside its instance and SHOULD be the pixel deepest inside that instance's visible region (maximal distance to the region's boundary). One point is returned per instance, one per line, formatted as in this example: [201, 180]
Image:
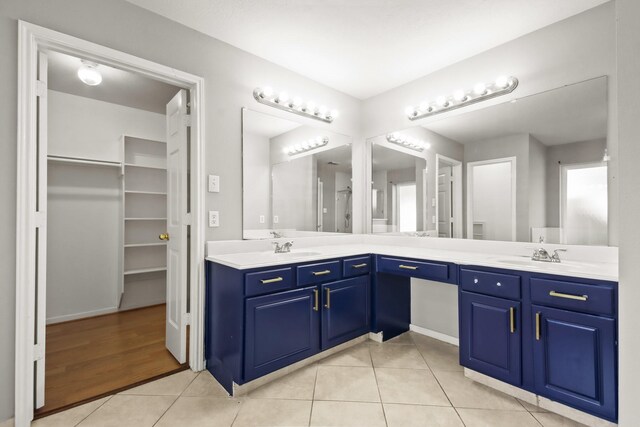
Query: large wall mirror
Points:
[296, 178]
[531, 170]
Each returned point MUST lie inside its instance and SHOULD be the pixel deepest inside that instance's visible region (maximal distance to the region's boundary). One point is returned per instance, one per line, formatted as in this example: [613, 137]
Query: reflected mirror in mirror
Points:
[531, 170]
[296, 178]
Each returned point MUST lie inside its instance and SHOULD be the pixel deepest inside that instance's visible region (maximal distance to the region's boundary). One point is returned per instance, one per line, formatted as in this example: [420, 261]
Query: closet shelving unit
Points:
[144, 213]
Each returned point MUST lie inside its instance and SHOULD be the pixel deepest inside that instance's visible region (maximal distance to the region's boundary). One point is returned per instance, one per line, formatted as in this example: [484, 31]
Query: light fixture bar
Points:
[294, 105]
[305, 146]
[462, 98]
[408, 141]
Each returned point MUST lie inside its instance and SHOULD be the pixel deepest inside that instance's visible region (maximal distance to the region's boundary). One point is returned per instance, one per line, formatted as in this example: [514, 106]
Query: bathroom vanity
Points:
[549, 330]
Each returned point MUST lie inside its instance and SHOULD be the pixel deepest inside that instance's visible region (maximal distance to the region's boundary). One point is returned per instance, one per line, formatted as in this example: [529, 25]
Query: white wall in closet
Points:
[85, 202]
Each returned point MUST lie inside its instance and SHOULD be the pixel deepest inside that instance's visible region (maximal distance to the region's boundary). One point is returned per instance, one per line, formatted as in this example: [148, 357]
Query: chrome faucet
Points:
[541, 254]
[282, 248]
[275, 234]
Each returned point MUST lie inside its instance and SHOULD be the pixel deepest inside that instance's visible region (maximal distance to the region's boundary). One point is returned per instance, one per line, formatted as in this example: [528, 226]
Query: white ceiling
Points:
[117, 87]
[366, 47]
[569, 114]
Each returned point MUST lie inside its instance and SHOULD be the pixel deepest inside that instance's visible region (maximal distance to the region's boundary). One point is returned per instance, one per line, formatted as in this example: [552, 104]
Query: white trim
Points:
[456, 168]
[76, 316]
[470, 166]
[31, 39]
[434, 334]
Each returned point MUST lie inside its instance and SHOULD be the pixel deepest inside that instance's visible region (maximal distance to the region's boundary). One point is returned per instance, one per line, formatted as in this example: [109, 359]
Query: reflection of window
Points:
[406, 206]
[584, 204]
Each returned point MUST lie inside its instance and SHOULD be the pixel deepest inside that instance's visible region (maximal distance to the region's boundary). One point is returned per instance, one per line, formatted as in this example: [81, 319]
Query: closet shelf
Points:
[143, 245]
[144, 270]
[145, 219]
[157, 193]
[137, 165]
[83, 161]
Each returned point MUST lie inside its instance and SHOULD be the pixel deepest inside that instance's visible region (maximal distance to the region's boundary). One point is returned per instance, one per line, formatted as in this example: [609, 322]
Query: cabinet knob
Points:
[498, 284]
[475, 280]
[164, 236]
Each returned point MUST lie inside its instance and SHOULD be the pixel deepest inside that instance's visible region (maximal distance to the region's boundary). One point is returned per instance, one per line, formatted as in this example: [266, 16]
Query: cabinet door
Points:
[574, 359]
[281, 328]
[345, 310]
[491, 336]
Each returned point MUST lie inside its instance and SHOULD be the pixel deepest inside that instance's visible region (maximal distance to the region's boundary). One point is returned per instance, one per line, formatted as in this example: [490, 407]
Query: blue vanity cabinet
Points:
[345, 310]
[575, 344]
[281, 329]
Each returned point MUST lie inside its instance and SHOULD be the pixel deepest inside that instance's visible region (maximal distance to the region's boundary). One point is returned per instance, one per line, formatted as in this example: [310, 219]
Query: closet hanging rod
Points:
[83, 161]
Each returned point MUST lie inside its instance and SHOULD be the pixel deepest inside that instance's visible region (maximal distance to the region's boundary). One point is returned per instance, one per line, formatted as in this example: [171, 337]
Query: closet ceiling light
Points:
[408, 141]
[461, 98]
[294, 105]
[309, 145]
[89, 74]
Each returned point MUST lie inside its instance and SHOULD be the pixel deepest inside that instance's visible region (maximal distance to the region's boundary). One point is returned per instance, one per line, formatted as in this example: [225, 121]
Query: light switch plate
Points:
[214, 184]
[275, 219]
[433, 202]
[261, 219]
[214, 219]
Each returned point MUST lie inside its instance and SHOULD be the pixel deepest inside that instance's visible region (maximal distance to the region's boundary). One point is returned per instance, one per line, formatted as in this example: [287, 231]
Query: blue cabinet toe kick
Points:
[554, 336]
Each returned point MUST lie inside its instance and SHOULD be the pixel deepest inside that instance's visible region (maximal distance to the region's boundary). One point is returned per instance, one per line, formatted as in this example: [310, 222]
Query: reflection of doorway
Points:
[449, 197]
[583, 203]
[406, 206]
[491, 199]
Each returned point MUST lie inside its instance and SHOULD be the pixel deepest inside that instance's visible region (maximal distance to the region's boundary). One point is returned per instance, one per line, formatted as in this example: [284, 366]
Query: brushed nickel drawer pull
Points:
[321, 273]
[328, 304]
[538, 326]
[315, 300]
[569, 296]
[512, 319]
[408, 267]
[274, 280]
[363, 265]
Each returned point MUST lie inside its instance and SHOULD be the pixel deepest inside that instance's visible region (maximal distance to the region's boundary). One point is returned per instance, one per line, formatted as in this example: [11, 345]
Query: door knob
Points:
[164, 236]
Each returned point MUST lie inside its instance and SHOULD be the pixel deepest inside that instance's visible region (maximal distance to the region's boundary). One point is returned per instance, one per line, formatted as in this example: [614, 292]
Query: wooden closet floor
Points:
[90, 358]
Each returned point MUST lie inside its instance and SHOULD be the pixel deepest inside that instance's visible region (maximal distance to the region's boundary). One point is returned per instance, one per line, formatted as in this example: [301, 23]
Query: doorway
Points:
[448, 207]
[406, 206]
[141, 263]
[491, 199]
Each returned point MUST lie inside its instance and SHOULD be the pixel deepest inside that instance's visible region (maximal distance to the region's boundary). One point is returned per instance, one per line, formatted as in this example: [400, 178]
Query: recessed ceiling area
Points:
[366, 47]
[117, 87]
[568, 114]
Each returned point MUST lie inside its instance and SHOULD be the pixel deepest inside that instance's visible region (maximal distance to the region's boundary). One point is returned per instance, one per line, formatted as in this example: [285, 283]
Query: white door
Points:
[41, 233]
[177, 210]
[445, 208]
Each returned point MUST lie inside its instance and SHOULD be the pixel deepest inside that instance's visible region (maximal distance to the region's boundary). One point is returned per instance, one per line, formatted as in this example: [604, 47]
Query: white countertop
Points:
[597, 263]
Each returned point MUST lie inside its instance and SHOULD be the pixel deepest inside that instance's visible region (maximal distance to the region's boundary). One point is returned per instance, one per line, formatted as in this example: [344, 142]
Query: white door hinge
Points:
[41, 89]
[187, 120]
[187, 319]
[38, 352]
[186, 220]
[40, 219]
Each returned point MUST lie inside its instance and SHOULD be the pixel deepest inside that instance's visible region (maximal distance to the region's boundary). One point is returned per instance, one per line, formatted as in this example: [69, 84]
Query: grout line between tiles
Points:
[99, 406]
[167, 410]
[375, 375]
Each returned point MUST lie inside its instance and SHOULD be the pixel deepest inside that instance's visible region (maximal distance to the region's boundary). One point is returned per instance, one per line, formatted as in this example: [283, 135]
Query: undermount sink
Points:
[296, 254]
[562, 265]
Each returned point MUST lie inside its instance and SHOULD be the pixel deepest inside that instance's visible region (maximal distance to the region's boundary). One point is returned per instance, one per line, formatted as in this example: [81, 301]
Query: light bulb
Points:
[459, 95]
[333, 114]
[322, 110]
[410, 111]
[282, 97]
[480, 89]
[311, 106]
[442, 101]
[297, 101]
[502, 82]
[267, 91]
[427, 145]
[88, 74]
[424, 105]
[307, 144]
[298, 147]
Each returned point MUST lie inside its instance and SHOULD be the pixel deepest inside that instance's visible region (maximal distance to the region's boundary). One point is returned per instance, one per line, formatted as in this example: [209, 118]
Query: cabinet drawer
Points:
[356, 266]
[318, 273]
[263, 282]
[496, 284]
[409, 267]
[595, 299]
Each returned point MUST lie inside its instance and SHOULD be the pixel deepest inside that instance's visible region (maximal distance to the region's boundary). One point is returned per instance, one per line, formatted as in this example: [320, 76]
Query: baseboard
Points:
[435, 334]
[7, 423]
[76, 316]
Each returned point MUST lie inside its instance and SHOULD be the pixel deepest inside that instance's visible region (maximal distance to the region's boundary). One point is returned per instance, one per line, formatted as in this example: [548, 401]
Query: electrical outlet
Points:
[261, 219]
[214, 184]
[214, 219]
[433, 219]
[275, 219]
[433, 202]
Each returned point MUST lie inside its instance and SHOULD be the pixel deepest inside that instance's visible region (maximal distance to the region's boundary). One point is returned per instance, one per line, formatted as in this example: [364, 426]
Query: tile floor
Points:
[409, 381]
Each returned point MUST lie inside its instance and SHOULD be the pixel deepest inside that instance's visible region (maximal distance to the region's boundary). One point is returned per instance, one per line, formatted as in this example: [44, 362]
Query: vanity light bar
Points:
[408, 141]
[461, 98]
[294, 105]
[305, 146]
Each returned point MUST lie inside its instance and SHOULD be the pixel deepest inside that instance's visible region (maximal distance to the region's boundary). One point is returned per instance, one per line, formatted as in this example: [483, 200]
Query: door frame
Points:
[31, 40]
[470, 166]
[456, 169]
